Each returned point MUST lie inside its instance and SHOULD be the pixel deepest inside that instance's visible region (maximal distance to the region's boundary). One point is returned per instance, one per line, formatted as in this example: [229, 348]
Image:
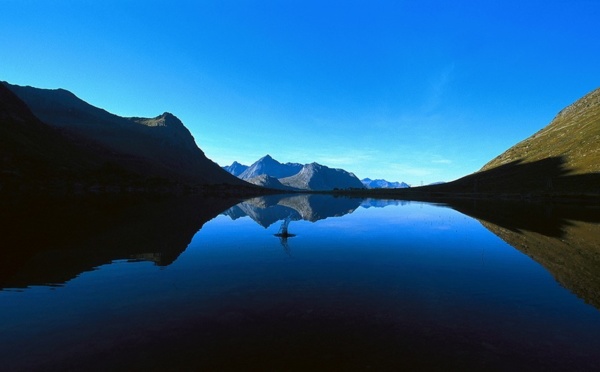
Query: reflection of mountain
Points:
[563, 239]
[573, 259]
[51, 242]
[381, 203]
[264, 215]
[267, 210]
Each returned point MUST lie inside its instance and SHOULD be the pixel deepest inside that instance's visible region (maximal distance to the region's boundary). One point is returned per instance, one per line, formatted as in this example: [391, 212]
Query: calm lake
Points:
[204, 284]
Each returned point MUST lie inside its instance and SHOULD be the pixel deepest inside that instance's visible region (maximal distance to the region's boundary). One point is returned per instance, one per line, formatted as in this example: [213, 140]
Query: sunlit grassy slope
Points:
[562, 159]
[573, 135]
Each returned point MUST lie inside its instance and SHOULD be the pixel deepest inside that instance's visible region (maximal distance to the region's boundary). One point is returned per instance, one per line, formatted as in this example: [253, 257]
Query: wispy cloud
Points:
[344, 157]
[438, 87]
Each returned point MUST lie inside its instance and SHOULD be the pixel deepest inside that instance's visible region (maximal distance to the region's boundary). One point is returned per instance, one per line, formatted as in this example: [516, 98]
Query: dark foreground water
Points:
[363, 285]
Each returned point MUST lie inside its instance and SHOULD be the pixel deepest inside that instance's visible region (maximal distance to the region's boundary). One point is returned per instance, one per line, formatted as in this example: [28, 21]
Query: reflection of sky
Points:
[417, 263]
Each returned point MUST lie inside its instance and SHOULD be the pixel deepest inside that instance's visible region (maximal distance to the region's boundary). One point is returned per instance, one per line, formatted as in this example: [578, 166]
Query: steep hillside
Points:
[269, 166]
[573, 135]
[160, 146]
[318, 177]
[25, 139]
[562, 159]
[34, 155]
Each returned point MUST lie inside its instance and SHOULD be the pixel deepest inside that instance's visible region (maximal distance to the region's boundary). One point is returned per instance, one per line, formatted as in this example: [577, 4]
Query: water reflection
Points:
[372, 284]
[564, 239]
[266, 210]
[51, 241]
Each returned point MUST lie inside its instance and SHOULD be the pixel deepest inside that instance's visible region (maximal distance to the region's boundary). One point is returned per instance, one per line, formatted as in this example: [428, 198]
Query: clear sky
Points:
[413, 91]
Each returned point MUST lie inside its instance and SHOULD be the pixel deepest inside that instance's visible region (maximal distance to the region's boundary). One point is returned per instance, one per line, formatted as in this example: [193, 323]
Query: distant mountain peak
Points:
[383, 184]
[315, 176]
[268, 165]
[235, 168]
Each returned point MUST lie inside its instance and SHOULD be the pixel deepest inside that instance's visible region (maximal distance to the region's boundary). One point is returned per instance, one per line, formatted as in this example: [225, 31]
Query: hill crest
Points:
[155, 147]
[574, 135]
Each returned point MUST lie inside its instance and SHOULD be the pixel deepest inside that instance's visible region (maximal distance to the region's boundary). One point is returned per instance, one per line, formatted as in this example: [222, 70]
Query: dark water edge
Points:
[330, 342]
[54, 241]
[59, 237]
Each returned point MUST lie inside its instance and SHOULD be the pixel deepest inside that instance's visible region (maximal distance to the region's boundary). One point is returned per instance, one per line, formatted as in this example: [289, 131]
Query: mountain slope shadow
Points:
[564, 239]
[549, 176]
[549, 219]
[53, 241]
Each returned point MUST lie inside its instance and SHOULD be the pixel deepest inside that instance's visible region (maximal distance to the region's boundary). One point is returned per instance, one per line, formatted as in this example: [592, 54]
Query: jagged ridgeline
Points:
[39, 119]
[268, 172]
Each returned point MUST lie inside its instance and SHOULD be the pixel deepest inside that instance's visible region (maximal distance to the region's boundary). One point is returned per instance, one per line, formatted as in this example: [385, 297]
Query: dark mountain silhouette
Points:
[271, 167]
[152, 147]
[34, 155]
[548, 177]
[235, 168]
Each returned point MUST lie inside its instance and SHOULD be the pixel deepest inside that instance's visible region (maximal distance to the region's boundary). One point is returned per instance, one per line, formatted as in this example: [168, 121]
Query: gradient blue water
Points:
[415, 268]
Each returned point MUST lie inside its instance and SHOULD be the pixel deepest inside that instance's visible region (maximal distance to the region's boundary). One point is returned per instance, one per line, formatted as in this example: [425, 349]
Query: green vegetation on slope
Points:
[574, 135]
[561, 160]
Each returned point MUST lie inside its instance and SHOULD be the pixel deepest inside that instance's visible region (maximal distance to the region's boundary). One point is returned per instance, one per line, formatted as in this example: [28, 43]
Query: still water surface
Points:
[362, 284]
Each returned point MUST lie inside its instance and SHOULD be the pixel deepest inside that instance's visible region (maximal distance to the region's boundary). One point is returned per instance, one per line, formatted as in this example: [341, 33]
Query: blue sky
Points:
[413, 91]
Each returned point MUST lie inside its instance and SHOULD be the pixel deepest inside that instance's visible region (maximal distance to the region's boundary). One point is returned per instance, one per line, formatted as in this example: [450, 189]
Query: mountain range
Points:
[268, 172]
[50, 138]
[53, 132]
[235, 168]
[271, 167]
[383, 184]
